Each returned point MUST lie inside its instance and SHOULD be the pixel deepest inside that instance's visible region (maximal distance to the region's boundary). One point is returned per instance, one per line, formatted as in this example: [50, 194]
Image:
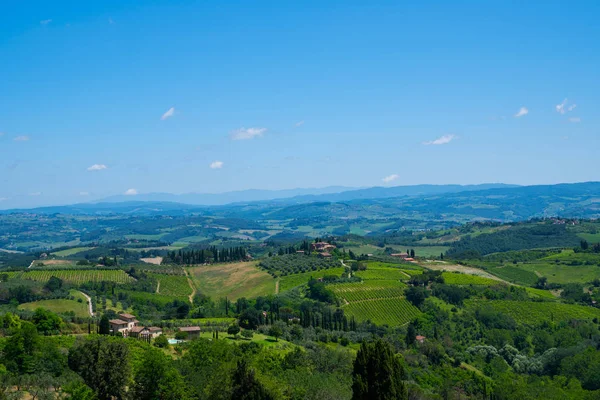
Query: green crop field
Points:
[61, 305]
[381, 274]
[539, 293]
[412, 272]
[537, 312]
[70, 252]
[232, 280]
[590, 237]
[172, 285]
[290, 281]
[75, 276]
[392, 312]
[454, 278]
[366, 290]
[561, 273]
[514, 274]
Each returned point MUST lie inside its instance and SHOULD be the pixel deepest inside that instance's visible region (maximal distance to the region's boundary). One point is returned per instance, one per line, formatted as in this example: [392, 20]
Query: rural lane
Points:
[89, 300]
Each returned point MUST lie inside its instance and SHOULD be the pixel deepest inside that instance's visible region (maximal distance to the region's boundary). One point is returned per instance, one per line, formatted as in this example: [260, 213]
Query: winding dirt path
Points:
[158, 287]
[89, 300]
[192, 286]
[277, 286]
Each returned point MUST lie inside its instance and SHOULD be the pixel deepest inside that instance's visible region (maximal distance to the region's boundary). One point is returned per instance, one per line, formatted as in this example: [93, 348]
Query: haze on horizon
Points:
[121, 98]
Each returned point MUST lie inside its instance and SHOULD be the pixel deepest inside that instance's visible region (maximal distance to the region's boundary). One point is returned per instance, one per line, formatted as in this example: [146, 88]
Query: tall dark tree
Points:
[246, 386]
[377, 373]
[156, 378]
[104, 325]
[103, 363]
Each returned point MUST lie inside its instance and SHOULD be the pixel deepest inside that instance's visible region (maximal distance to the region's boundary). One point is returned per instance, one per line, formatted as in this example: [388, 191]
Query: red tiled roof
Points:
[127, 316]
[155, 329]
[189, 329]
[137, 329]
[117, 322]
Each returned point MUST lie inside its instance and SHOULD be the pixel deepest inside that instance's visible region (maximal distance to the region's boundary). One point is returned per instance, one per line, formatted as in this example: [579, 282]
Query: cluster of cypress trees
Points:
[207, 256]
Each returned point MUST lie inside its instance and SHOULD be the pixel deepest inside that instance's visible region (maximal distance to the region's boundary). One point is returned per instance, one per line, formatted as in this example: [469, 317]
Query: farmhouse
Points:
[193, 332]
[145, 332]
[400, 255]
[420, 339]
[321, 246]
[118, 325]
[124, 324]
[325, 254]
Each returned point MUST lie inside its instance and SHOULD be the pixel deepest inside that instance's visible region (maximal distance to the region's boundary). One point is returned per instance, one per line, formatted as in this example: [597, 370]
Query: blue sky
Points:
[179, 96]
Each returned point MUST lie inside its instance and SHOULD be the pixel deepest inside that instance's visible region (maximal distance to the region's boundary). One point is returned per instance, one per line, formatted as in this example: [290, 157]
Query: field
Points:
[537, 312]
[514, 274]
[393, 311]
[61, 305]
[393, 274]
[590, 237]
[70, 252]
[367, 290]
[233, 280]
[172, 285]
[560, 273]
[74, 276]
[453, 278]
[290, 281]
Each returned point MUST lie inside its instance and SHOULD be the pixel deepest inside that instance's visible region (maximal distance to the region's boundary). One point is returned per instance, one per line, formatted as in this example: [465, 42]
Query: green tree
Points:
[103, 363]
[104, 325]
[276, 332]
[377, 374]
[156, 378]
[416, 295]
[46, 321]
[411, 334]
[161, 342]
[20, 347]
[246, 386]
[233, 330]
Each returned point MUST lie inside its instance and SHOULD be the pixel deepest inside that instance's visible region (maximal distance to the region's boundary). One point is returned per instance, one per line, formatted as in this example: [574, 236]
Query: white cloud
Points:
[35, 194]
[170, 112]
[565, 107]
[84, 193]
[45, 21]
[216, 165]
[23, 138]
[244, 134]
[97, 167]
[390, 178]
[299, 124]
[575, 120]
[131, 192]
[522, 112]
[441, 140]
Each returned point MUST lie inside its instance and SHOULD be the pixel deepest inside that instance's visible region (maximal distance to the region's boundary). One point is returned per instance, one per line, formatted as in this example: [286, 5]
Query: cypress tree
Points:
[377, 373]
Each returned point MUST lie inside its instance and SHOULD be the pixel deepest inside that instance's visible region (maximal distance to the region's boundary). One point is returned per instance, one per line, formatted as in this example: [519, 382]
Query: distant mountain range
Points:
[331, 193]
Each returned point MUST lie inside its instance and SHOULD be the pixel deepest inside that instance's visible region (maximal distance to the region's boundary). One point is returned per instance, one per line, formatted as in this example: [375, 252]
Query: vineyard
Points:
[76, 277]
[537, 312]
[394, 311]
[515, 275]
[172, 285]
[367, 290]
[453, 278]
[290, 281]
